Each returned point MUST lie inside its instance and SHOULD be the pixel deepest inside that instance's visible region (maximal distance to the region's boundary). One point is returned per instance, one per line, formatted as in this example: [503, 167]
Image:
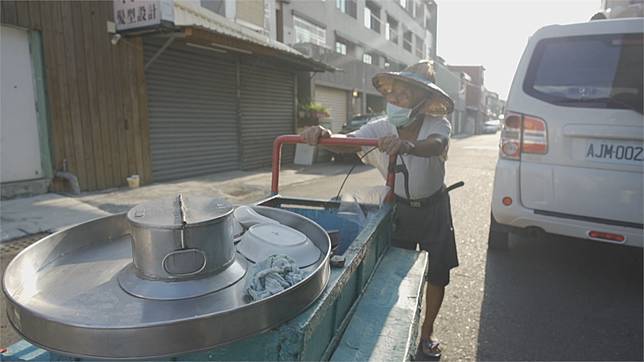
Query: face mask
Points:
[398, 116]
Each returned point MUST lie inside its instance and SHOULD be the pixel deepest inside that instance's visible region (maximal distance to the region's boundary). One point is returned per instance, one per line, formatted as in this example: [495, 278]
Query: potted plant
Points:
[310, 114]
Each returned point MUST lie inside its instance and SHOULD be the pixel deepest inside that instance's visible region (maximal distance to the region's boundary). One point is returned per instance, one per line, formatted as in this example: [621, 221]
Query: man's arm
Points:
[313, 134]
[434, 145]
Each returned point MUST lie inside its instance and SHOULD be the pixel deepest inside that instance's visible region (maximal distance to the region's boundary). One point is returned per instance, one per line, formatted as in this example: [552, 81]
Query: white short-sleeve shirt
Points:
[426, 174]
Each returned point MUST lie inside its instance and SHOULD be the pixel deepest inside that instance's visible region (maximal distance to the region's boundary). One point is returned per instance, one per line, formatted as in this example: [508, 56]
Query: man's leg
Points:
[433, 300]
[441, 246]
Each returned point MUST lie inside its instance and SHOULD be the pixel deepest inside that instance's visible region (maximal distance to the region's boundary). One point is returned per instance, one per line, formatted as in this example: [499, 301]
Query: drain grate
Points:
[15, 246]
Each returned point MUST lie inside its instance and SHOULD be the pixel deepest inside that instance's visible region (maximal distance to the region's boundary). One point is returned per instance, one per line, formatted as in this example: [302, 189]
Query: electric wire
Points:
[337, 197]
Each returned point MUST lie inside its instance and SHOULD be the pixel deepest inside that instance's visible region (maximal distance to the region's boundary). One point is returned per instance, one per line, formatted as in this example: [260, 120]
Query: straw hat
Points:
[421, 77]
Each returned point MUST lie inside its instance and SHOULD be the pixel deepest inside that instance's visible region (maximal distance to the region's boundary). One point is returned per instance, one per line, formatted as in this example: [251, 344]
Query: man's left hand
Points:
[392, 145]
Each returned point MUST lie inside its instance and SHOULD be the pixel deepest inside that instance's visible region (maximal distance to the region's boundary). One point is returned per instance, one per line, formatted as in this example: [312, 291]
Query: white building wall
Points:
[19, 143]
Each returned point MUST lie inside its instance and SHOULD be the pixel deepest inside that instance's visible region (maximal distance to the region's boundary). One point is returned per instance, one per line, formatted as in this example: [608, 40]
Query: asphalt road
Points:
[552, 298]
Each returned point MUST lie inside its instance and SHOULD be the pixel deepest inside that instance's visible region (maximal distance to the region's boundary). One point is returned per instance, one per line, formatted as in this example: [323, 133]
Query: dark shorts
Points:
[432, 229]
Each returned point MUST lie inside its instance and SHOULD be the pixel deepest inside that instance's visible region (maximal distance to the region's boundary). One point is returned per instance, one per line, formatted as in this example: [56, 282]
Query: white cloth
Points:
[426, 174]
[271, 276]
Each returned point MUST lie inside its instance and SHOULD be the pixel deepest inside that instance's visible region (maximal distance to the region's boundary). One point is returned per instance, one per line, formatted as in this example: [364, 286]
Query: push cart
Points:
[366, 307]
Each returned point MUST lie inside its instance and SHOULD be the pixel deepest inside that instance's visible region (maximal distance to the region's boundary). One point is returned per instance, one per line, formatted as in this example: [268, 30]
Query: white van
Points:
[571, 151]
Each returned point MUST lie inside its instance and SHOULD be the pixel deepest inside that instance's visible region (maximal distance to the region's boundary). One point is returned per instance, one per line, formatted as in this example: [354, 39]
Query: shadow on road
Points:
[331, 168]
[562, 299]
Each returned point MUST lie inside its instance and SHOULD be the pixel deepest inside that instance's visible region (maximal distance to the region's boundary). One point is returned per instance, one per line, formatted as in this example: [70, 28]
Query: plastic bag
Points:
[350, 203]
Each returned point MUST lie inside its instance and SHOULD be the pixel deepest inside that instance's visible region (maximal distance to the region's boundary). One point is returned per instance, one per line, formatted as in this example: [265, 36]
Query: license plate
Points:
[623, 152]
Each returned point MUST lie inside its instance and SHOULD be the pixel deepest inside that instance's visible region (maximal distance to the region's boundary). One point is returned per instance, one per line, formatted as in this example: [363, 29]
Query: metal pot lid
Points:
[179, 211]
[264, 240]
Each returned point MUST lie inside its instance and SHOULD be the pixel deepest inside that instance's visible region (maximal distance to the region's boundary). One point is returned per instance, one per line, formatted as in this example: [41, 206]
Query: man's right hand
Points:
[313, 134]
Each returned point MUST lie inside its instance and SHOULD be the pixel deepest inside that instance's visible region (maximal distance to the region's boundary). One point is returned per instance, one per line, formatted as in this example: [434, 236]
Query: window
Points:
[408, 5]
[407, 39]
[349, 7]
[307, 32]
[367, 18]
[367, 58]
[601, 71]
[216, 6]
[372, 17]
[345, 47]
[419, 10]
[391, 30]
[342, 5]
[341, 48]
[420, 47]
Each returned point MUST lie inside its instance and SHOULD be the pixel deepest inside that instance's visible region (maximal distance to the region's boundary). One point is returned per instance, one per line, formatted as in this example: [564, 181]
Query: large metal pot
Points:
[183, 237]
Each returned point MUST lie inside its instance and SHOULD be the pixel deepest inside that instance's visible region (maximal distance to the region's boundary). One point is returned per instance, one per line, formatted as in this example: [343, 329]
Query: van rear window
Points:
[601, 71]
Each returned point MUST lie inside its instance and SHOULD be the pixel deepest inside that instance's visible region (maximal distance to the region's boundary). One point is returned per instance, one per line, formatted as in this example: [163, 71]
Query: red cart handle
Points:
[332, 141]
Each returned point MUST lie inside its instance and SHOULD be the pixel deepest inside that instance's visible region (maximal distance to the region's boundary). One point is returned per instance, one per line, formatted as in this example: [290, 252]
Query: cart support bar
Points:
[332, 141]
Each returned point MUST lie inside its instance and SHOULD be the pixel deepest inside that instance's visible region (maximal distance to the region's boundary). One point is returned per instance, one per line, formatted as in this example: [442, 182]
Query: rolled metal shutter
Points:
[336, 101]
[267, 111]
[192, 112]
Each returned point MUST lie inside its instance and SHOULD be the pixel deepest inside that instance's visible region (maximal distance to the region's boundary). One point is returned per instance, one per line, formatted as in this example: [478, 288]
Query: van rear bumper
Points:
[515, 217]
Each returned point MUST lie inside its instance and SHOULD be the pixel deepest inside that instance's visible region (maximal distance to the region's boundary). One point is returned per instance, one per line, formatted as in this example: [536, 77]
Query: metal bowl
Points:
[264, 240]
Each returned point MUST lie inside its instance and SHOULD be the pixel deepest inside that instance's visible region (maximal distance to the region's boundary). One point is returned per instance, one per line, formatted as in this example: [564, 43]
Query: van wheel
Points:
[497, 240]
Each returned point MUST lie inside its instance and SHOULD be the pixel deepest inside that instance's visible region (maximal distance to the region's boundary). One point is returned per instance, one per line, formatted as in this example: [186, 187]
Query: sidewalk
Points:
[52, 212]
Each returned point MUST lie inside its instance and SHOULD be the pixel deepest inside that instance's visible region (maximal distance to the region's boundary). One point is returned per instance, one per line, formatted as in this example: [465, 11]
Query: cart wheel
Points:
[497, 240]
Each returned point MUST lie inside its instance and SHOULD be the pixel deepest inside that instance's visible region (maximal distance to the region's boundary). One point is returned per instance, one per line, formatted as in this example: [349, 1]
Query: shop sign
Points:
[137, 14]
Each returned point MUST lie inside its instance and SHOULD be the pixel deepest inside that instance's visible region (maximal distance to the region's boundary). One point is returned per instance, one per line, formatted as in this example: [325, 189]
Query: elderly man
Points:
[415, 128]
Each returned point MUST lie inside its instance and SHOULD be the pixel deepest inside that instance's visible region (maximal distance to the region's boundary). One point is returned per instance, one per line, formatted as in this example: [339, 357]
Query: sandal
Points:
[430, 348]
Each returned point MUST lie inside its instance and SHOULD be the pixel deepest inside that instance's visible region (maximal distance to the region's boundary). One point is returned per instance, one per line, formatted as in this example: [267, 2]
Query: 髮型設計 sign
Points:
[136, 14]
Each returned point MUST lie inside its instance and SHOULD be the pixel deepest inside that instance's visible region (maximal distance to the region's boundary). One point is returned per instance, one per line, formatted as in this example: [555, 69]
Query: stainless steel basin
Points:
[64, 295]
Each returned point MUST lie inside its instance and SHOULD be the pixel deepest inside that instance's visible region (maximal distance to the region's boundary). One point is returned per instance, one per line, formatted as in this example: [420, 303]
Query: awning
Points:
[200, 26]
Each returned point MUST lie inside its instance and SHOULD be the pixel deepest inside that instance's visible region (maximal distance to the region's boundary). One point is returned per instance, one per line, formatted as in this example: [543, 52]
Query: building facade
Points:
[495, 106]
[476, 110]
[454, 84]
[196, 94]
[360, 38]
[613, 9]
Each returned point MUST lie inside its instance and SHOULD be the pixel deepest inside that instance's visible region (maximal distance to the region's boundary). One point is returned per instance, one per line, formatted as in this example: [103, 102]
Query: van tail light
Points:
[535, 136]
[523, 134]
[510, 146]
[606, 236]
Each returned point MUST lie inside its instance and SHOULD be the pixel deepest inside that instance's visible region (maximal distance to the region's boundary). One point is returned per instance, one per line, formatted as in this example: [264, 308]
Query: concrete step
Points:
[386, 321]
[12, 190]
